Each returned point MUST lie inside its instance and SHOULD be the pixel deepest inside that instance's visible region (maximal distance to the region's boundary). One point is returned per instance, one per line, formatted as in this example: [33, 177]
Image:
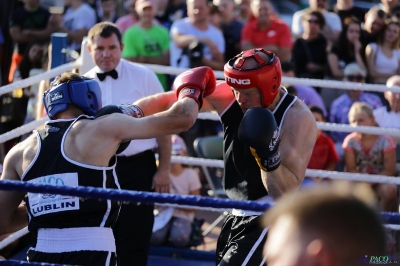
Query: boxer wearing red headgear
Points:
[264, 127]
[255, 68]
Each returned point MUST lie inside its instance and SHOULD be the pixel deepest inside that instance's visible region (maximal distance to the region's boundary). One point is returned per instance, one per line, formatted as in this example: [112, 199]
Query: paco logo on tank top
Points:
[40, 203]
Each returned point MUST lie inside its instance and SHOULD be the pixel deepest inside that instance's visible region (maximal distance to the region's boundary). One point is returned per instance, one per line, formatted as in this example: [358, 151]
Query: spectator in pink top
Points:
[371, 154]
[124, 22]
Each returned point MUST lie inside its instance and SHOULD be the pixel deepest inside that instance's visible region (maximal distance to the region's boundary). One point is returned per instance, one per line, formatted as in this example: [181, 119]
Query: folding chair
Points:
[211, 147]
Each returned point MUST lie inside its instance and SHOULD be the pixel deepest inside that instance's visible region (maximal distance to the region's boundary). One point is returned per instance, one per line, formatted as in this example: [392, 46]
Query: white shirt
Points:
[185, 27]
[387, 119]
[134, 82]
[331, 19]
[384, 64]
[84, 17]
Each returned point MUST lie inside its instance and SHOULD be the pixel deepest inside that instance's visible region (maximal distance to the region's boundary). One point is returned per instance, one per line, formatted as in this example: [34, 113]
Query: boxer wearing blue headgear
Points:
[84, 93]
[77, 149]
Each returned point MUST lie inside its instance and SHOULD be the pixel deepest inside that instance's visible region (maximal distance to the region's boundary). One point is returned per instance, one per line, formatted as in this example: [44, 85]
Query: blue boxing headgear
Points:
[84, 93]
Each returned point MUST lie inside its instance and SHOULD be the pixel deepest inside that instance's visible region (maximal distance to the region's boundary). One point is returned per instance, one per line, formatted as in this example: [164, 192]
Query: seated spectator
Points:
[389, 6]
[146, 42]
[107, 11]
[124, 22]
[389, 115]
[170, 11]
[215, 15]
[333, 25]
[184, 181]
[306, 93]
[374, 22]
[371, 154]
[231, 28]
[1, 54]
[244, 13]
[195, 41]
[78, 19]
[324, 226]
[340, 106]
[383, 57]
[309, 50]
[324, 155]
[346, 8]
[347, 50]
[264, 25]
[28, 23]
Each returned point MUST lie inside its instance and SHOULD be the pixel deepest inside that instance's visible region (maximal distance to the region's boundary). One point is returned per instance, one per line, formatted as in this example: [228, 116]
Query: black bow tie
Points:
[112, 73]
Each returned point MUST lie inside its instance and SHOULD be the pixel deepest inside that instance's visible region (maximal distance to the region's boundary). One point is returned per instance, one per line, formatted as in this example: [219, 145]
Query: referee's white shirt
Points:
[133, 83]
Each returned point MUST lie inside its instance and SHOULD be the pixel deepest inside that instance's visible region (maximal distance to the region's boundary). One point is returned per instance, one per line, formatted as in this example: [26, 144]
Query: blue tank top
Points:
[52, 166]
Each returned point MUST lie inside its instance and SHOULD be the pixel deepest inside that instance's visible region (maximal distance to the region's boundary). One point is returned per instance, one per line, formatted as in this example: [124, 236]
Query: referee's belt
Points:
[136, 156]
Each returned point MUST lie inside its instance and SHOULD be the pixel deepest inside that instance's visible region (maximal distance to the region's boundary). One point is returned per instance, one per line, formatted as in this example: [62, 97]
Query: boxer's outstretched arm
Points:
[296, 146]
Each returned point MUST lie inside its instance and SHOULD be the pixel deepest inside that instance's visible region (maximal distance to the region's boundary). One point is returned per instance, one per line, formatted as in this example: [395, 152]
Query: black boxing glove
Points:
[259, 130]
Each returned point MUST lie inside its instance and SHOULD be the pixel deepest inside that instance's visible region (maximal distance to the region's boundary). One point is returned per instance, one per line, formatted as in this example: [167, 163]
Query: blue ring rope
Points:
[19, 263]
[152, 197]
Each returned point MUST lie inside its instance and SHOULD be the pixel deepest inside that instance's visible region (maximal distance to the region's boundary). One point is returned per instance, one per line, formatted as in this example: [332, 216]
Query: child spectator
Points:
[184, 181]
[324, 155]
[371, 154]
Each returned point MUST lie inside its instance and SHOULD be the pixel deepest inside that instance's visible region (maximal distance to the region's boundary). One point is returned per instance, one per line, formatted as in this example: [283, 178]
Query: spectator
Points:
[184, 181]
[371, 154]
[244, 11]
[170, 11]
[78, 19]
[299, 223]
[215, 15]
[32, 59]
[374, 23]
[28, 23]
[347, 50]
[123, 82]
[340, 106]
[389, 6]
[265, 24]
[306, 93]
[309, 50]
[196, 38]
[324, 156]
[124, 22]
[231, 28]
[146, 42]
[383, 56]
[1, 53]
[107, 11]
[346, 8]
[333, 25]
[389, 116]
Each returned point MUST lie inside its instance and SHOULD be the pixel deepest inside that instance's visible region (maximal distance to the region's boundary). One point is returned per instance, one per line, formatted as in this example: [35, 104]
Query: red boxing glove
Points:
[195, 83]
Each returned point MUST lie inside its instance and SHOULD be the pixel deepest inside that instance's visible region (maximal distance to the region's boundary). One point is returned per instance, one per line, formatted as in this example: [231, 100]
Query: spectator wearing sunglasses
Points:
[340, 106]
[383, 57]
[309, 51]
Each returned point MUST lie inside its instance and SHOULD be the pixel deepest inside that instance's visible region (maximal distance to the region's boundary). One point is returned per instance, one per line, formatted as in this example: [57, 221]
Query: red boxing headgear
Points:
[255, 68]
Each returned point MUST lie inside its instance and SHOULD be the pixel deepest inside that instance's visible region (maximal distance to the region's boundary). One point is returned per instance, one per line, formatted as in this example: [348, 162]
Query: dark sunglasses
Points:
[355, 77]
[313, 21]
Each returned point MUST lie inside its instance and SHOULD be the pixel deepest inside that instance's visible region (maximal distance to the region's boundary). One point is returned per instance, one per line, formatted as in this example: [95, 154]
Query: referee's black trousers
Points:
[135, 222]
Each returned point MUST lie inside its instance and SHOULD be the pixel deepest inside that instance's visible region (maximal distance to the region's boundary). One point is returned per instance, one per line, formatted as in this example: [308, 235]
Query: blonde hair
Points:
[361, 107]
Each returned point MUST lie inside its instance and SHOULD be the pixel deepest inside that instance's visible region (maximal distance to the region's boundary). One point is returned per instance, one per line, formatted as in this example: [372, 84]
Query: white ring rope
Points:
[36, 79]
[27, 128]
[323, 126]
[13, 237]
[309, 172]
[332, 84]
